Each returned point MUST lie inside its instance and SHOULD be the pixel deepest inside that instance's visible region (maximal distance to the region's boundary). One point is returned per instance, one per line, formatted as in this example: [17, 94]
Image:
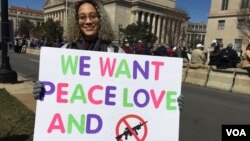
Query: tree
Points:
[25, 27]
[52, 31]
[139, 31]
[71, 31]
[243, 23]
[37, 31]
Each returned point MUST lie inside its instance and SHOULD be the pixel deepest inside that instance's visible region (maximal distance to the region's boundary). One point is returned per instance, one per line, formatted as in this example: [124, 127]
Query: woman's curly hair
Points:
[105, 32]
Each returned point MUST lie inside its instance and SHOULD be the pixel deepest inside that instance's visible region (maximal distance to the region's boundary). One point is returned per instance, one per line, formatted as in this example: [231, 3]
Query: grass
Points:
[16, 121]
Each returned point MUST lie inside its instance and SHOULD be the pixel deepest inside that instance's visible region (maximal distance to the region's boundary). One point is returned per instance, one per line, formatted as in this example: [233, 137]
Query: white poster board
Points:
[101, 96]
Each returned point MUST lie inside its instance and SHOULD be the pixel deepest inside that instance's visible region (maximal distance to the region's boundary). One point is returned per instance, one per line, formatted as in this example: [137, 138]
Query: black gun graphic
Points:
[127, 132]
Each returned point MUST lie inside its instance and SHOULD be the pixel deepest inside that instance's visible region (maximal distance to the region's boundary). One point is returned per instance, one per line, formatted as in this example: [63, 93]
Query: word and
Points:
[83, 126]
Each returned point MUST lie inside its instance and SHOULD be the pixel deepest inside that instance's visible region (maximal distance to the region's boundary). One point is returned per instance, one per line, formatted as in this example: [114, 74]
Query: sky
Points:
[198, 10]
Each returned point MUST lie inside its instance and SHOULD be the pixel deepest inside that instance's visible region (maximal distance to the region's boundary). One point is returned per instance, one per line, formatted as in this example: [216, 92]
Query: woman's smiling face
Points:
[88, 20]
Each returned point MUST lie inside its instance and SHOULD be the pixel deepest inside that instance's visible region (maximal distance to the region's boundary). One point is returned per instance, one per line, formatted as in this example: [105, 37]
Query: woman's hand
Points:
[38, 90]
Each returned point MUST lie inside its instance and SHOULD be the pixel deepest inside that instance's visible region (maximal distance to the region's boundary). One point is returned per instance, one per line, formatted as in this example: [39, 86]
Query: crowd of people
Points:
[221, 57]
[159, 50]
[19, 44]
[215, 55]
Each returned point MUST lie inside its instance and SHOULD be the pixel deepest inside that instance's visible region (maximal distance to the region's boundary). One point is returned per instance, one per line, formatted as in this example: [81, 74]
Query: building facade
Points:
[168, 23]
[16, 14]
[223, 23]
[196, 33]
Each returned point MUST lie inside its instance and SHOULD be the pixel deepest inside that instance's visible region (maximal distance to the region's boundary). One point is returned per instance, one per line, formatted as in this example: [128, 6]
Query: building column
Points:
[153, 24]
[158, 33]
[136, 16]
[148, 18]
[174, 32]
[57, 15]
[132, 17]
[61, 17]
[52, 15]
[170, 37]
[44, 18]
[163, 34]
[167, 29]
[65, 18]
[178, 32]
[142, 16]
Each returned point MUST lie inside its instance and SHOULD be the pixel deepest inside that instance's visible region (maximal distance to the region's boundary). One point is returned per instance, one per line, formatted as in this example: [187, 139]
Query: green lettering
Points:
[78, 94]
[125, 98]
[79, 126]
[170, 100]
[123, 69]
[68, 63]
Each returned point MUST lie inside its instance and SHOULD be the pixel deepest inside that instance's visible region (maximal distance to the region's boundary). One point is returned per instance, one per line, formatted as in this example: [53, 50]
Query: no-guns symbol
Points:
[131, 130]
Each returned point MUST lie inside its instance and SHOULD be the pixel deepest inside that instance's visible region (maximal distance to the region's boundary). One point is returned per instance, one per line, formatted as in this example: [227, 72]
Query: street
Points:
[205, 110]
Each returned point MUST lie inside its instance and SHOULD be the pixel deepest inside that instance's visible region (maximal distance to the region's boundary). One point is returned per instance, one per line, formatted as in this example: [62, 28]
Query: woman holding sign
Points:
[94, 33]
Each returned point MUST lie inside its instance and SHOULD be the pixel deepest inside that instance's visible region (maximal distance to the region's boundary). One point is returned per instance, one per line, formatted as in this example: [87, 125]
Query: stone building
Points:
[196, 33]
[168, 23]
[17, 14]
[223, 23]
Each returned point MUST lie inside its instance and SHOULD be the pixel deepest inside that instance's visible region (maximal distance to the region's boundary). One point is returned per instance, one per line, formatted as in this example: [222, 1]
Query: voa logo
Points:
[236, 132]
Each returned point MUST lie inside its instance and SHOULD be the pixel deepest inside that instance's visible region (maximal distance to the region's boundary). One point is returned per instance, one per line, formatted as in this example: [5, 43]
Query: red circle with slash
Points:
[124, 120]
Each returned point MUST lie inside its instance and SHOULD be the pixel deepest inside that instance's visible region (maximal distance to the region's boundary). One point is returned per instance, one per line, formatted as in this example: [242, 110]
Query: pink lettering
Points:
[91, 93]
[156, 101]
[157, 68]
[107, 66]
[56, 119]
[61, 92]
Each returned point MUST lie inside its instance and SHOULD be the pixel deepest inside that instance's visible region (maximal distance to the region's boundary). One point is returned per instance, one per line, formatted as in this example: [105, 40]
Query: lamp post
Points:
[66, 10]
[17, 19]
[6, 74]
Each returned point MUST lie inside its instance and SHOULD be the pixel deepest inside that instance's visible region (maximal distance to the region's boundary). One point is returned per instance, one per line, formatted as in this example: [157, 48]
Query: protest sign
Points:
[101, 96]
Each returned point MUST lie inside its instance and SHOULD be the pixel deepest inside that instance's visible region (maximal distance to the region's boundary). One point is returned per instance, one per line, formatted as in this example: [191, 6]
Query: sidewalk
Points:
[22, 90]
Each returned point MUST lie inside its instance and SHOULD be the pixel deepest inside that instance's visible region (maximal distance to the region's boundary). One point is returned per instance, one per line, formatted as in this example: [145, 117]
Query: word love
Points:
[111, 67]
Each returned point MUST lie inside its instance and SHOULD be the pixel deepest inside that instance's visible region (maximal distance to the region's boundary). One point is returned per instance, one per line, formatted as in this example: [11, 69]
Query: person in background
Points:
[150, 46]
[184, 54]
[126, 47]
[139, 47]
[198, 56]
[214, 54]
[177, 52]
[170, 51]
[161, 51]
[245, 62]
[228, 58]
